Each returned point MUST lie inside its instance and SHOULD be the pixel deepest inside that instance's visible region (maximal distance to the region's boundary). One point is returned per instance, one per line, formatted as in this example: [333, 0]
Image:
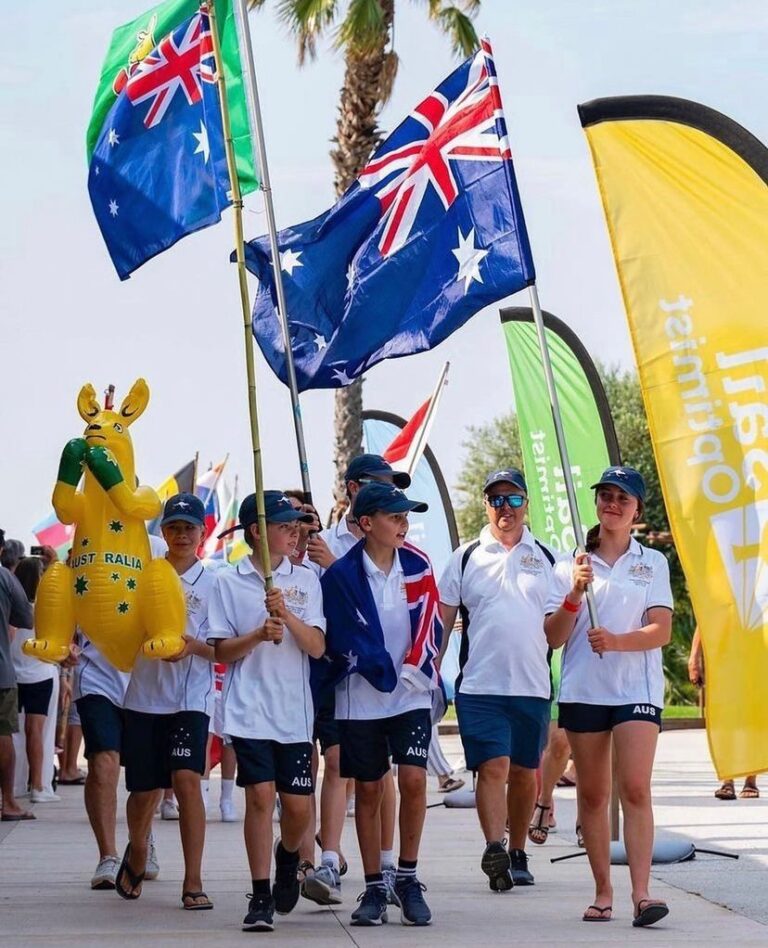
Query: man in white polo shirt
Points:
[503, 691]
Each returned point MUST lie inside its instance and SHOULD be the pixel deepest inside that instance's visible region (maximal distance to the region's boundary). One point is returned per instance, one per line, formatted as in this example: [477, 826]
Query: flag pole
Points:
[237, 207]
[414, 456]
[260, 157]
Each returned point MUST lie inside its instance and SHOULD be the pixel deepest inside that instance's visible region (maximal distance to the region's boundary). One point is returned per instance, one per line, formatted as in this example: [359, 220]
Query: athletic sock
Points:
[329, 858]
[227, 788]
[374, 880]
[260, 887]
[387, 859]
[405, 870]
[284, 857]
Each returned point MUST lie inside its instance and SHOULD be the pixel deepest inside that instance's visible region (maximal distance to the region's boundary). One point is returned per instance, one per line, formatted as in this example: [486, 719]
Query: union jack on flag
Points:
[430, 233]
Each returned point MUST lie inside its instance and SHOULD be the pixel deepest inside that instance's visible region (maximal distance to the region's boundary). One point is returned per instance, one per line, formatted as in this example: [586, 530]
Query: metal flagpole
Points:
[237, 207]
[257, 130]
[421, 442]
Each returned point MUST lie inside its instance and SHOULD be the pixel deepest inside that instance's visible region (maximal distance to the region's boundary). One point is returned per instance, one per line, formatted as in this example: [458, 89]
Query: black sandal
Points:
[135, 879]
[537, 825]
[195, 906]
[653, 912]
[601, 916]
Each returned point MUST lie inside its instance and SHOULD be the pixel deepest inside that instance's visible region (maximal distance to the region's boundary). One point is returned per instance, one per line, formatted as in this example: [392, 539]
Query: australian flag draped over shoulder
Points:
[354, 637]
[159, 169]
[431, 232]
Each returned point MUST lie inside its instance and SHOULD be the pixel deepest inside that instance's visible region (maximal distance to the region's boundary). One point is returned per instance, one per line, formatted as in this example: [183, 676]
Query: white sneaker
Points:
[153, 866]
[106, 873]
[43, 796]
[169, 810]
[228, 811]
[323, 886]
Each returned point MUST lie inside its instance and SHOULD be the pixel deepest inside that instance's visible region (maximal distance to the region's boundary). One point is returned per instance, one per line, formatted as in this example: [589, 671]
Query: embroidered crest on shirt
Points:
[295, 597]
[530, 563]
[193, 601]
[640, 574]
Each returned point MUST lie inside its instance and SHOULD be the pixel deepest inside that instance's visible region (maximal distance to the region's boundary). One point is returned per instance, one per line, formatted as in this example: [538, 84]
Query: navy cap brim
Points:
[400, 479]
[617, 482]
[290, 516]
[187, 518]
[397, 506]
[505, 480]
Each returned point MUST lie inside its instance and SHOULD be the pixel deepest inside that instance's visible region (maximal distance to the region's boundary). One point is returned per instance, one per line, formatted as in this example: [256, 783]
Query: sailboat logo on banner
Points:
[742, 540]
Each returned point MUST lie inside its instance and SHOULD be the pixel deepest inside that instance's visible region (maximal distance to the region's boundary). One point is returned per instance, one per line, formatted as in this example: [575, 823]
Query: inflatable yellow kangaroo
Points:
[121, 598]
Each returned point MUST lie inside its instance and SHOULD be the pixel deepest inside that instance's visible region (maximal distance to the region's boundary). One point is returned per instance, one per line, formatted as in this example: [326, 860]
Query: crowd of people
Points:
[339, 656]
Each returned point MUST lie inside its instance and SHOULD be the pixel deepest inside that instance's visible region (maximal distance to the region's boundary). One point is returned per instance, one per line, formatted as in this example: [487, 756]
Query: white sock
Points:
[387, 859]
[227, 788]
[330, 858]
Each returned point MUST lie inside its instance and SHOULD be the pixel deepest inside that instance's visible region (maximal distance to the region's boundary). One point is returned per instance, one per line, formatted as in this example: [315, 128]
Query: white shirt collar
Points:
[489, 541]
[194, 573]
[245, 566]
[371, 569]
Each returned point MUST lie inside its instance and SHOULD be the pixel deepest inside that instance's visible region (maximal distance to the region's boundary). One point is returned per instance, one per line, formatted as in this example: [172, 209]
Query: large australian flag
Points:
[159, 171]
[430, 233]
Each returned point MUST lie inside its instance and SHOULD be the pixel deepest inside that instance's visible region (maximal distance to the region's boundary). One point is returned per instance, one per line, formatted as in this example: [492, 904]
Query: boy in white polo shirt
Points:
[267, 640]
[501, 582]
[166, 712]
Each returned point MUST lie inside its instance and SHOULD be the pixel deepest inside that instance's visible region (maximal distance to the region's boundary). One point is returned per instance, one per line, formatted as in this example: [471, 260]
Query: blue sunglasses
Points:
[498, 500]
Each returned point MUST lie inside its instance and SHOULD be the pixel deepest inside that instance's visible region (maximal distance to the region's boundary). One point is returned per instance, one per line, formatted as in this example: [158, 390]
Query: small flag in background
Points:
[430, 233]
[215, 548]
[52, 532]
[207, 489]
[183, 481]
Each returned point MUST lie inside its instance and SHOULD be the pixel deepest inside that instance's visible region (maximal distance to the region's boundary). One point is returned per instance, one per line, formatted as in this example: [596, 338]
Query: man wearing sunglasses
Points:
[499, 583]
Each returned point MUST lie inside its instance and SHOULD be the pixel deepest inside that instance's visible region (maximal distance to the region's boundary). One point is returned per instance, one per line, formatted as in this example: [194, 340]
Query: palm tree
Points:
[364, 30]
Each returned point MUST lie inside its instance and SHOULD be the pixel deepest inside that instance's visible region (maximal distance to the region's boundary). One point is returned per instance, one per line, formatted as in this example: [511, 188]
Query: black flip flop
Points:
[653, 912]
[194, 907]
[597, 918]
[77, 782]
[134, 879]
[17, 817]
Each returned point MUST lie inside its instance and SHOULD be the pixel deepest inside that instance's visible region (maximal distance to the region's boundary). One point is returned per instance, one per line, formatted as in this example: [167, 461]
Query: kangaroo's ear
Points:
[135, 401]
[87, 403]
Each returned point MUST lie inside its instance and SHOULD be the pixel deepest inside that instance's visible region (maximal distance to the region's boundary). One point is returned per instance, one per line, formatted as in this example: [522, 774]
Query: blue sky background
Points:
[65, 318]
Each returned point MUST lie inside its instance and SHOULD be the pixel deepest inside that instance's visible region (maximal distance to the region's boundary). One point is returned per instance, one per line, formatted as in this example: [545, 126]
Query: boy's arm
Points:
[309, 638]
[233, 649]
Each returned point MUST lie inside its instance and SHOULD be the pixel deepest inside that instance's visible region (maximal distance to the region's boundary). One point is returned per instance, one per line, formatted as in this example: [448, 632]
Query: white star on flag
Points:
[470, 258]
[351, 274]
[203, 148]
[320, 342]
[113, 138]
[290, 260]
[351, 660]
[340, 375]
[114, 207]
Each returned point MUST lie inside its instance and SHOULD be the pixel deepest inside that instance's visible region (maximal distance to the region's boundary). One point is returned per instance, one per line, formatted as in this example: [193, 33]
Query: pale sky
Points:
[65, 318]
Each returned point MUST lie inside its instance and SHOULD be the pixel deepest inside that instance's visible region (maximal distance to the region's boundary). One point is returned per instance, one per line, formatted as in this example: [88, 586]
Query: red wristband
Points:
[571, 606]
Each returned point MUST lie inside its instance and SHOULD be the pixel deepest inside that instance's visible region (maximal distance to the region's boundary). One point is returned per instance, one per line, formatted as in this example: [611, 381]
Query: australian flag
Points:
[159, 169]
[430, 233]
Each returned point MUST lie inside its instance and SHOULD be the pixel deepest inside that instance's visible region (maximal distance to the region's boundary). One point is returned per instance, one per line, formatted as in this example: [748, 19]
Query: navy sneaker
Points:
[373, 907]
[496, 864]
[413, 909]
[261, 914]
[519, 867]
[286, 888]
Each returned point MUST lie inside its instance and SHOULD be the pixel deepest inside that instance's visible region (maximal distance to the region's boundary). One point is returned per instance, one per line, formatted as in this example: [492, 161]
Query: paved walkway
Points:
[45, 867]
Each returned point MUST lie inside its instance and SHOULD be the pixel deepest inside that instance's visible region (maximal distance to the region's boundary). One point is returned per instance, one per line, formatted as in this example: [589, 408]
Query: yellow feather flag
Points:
[685, 195]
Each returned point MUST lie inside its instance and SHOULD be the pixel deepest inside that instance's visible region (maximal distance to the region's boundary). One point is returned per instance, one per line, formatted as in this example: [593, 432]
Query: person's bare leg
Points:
[101, 799]
[592, 755]
[257, 827]
[413, 809]
[228, 763]
[333, 801]
[7, 776]
[295, 814]
[521, 795]
[68, 760]
[491, 798]
[368, 797]
[388, 812]
[139, 811]
[186, 786]
[33, 733]
[635, 743]
[553, 764]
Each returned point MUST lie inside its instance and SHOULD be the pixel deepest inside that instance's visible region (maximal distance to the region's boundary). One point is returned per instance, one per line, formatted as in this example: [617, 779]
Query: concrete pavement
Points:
[45, 867]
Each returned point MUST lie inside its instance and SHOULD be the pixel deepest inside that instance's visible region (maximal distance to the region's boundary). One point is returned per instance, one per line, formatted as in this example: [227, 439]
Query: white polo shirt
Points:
[505, 592]
[158, 687]
[356, 698]
[624, 592]
[266, 693]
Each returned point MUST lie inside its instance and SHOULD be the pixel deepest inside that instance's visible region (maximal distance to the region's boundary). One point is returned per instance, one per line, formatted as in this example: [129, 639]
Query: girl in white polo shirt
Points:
[612, 682]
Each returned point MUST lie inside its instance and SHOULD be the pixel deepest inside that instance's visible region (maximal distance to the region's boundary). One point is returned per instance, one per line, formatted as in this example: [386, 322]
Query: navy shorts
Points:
[156, 745]
[326, 725]
[367, 746]
[502, 726]
[35, 697]
[102, 724]
[594, 718]
[288, 766]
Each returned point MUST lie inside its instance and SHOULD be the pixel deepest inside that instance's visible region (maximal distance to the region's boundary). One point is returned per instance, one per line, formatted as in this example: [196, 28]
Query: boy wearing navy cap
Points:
[384, 633]
[167, 707]
[267, 638]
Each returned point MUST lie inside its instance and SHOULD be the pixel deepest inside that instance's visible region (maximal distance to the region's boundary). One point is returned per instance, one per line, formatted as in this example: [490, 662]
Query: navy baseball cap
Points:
[185, 507]
[277, 507]
[376, 496]
[374, 465]
[509, 475]
[627, 478]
